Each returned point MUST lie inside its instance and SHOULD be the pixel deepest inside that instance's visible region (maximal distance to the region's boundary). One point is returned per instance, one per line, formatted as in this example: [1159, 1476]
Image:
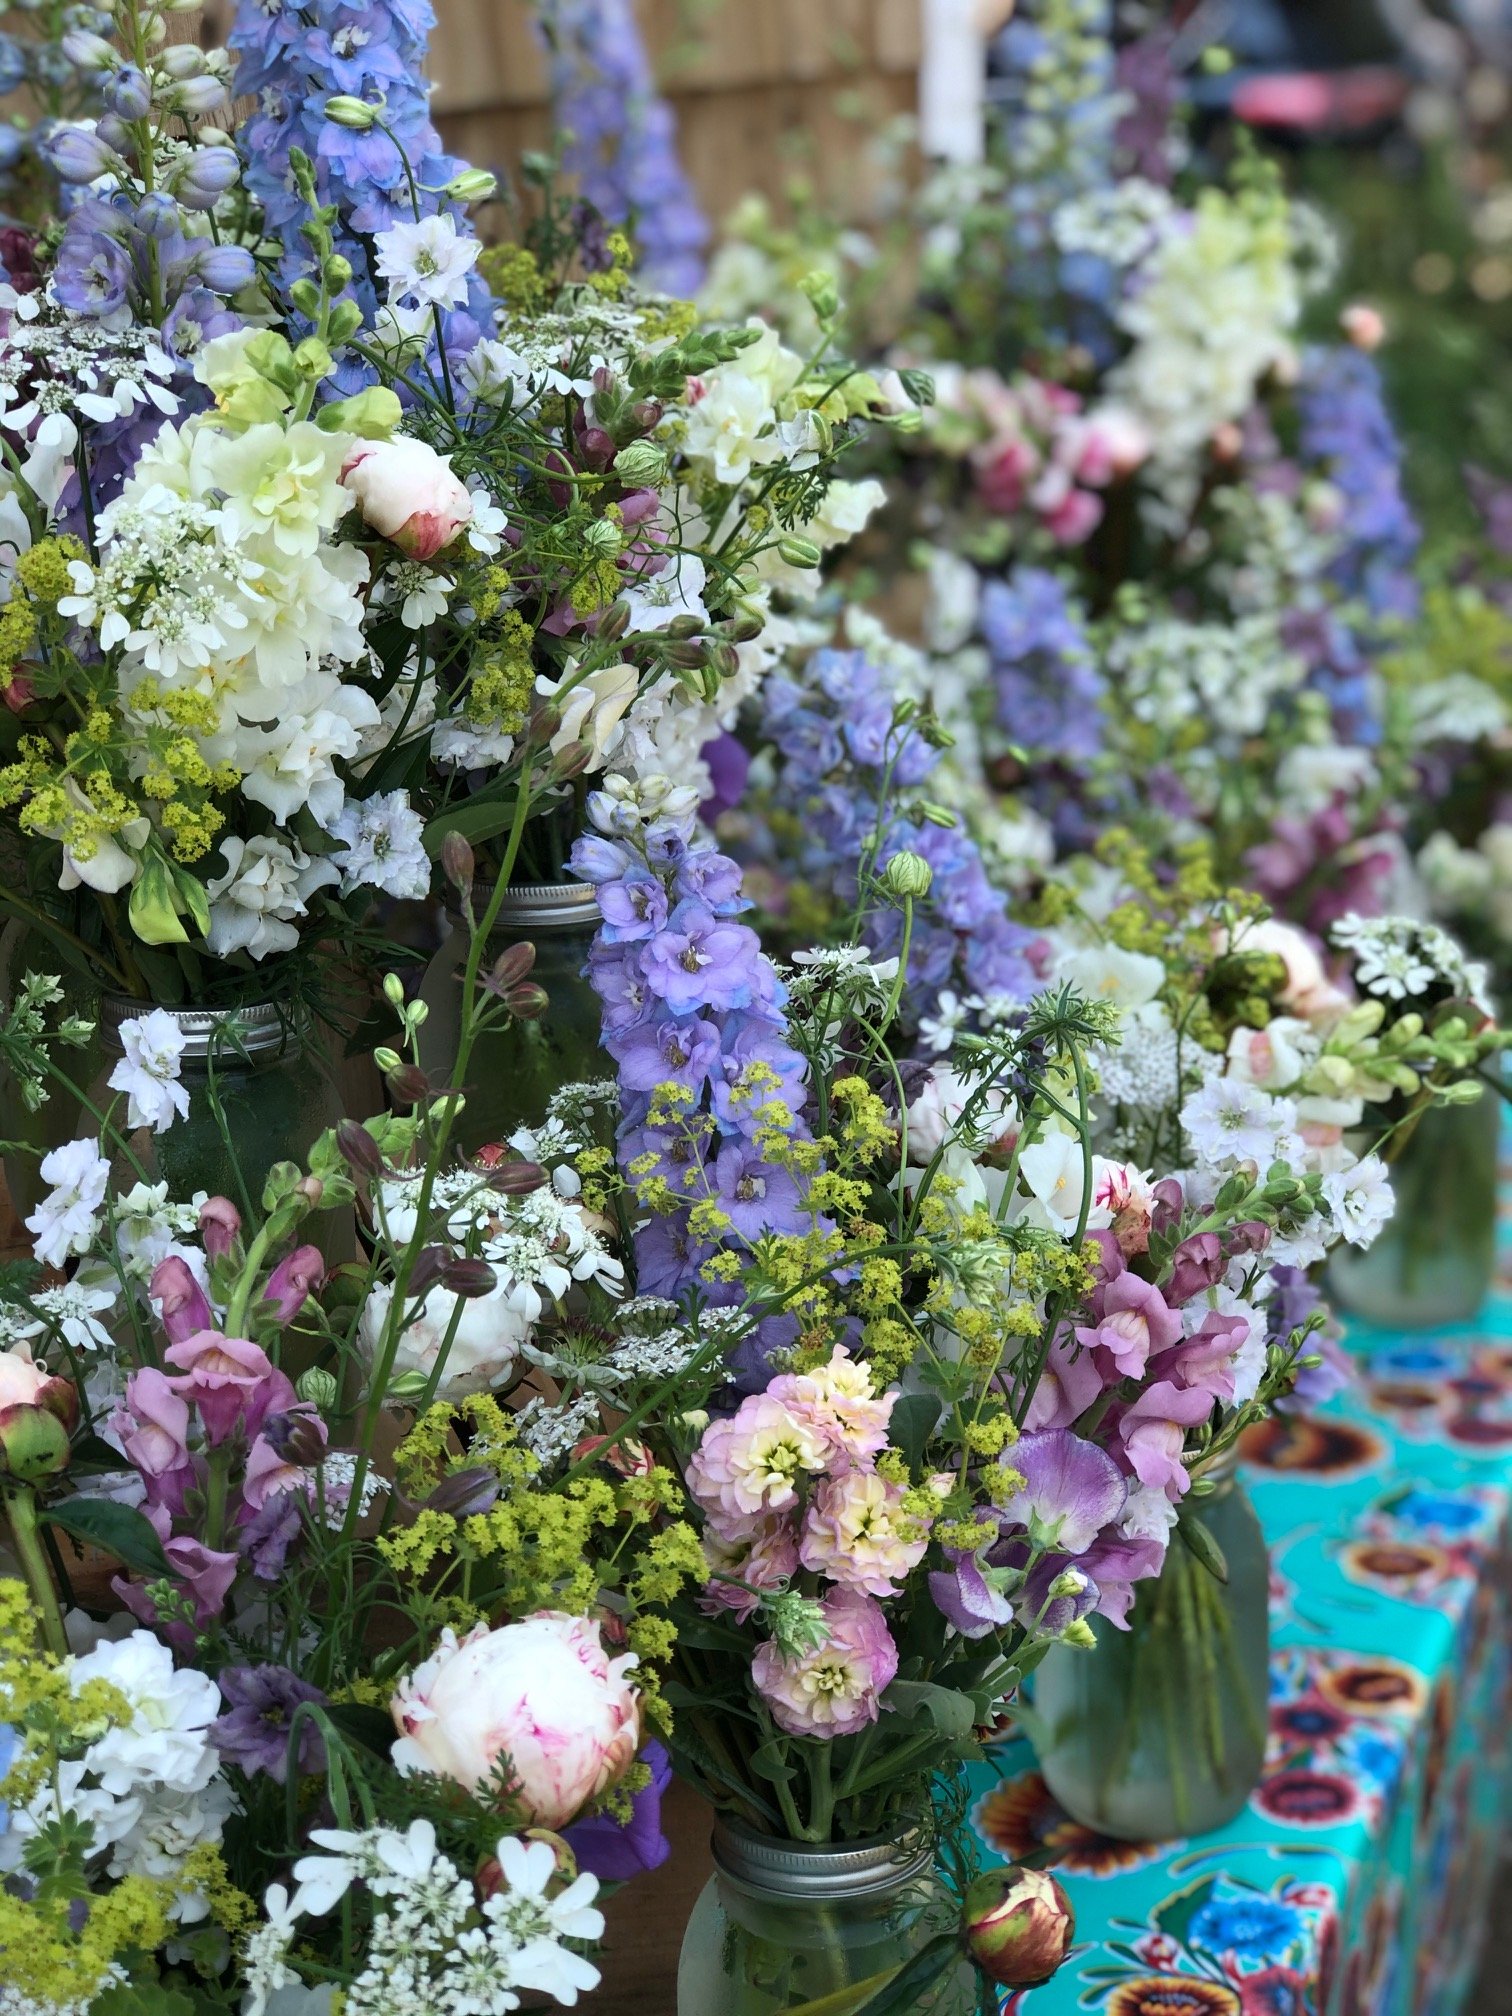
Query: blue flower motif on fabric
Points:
[1255, 1928]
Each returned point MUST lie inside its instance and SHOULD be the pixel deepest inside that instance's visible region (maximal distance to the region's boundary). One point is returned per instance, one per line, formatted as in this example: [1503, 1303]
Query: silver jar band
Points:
[765, 1866]
[257, 1030]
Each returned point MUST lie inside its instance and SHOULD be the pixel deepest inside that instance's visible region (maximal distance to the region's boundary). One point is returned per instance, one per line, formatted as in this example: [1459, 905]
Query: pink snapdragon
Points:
[1152, 1434]
[153, 1428]
[219, 1226]
[1133, 1320]
[293, 1280]
[227, 1380]
[837, 1689]
[182, 1305]
[1123, 1202]
[857, 1533]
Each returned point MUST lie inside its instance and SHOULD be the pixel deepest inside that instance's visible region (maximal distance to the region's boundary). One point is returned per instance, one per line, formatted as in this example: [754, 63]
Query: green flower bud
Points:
[473, 185]
[353, 112]
[820, 290]
[907, 875]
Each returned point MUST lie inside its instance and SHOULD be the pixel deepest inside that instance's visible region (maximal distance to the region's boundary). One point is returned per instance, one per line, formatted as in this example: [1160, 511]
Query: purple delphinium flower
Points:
[691, 1001]
[1346, 427]
[292, 60]
[621, 136]
[615, 1850]
[254, 1734]
[844, 759]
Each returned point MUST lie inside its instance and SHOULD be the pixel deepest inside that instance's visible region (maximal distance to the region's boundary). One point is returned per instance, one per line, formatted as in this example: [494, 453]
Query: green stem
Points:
[21, 1510]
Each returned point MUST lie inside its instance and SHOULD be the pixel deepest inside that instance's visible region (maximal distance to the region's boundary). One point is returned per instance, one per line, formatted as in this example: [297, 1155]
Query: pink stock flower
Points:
[293, 1280]
[227, 1380]
[838, 1402]
[219, 1226]
[857, 1533]
[408, 492]
[837, 1689]
[746, 1466]
[764, 1558]
[1133, 1320]
[1152, 1434]
[182, 1305]
[536, 1712]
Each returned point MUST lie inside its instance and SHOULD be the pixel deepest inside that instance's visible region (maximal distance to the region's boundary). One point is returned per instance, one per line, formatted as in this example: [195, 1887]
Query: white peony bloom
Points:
[491, 1332]
[149, 1071]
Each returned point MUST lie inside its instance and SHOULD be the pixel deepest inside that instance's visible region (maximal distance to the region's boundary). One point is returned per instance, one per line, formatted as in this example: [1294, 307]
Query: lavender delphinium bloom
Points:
[691, 1003]
[1346, 427]
[1047, 688]
[254, 1733]
[845, 760]
[621, 136]
[293, 60]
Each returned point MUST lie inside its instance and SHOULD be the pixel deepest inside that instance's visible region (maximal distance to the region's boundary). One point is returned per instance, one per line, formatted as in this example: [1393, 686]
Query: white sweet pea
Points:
[592, 709]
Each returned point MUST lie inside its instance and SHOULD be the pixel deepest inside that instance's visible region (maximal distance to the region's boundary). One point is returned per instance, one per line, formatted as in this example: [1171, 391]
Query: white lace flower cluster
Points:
[435, 1948]
[1402, 958]
[150, 1787]
[1171, 672]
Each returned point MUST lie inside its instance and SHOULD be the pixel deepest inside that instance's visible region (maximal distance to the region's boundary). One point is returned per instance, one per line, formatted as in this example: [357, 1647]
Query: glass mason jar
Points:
[1433, 1261]
[1160, 1731]
[516, 1067]
[272, 1086]
[786, 1925]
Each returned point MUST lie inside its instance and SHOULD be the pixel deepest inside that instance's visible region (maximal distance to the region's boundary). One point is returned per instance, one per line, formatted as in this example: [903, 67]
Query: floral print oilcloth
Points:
[1356, 1881]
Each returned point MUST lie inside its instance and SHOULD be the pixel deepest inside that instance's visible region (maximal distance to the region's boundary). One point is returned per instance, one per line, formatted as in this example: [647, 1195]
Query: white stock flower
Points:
[1361, 1199]
[293, 764]
[67, 1219]
[253, 906]
[148, 1073]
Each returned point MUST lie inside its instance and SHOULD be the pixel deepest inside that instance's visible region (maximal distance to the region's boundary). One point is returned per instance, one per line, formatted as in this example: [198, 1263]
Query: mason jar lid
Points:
[540, 906]
[262, 1027]
[766, 1866]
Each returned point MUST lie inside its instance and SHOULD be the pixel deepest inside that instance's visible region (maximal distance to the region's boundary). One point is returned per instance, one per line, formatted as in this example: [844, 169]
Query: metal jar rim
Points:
[763, 1865]
[537, 906]
[261, 1029]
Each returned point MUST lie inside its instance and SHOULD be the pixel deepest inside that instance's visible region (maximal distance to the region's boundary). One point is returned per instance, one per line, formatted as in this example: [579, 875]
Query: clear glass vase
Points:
[1433, 1262]
[259, 1067]
[1160, 1731]
[514, 1069]
[789, 1926]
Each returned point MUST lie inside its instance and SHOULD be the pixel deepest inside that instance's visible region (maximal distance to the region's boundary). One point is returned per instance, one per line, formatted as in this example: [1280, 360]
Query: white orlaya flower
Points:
[532, 1924]
[72, 1312]
[265, 1967]
[254, 905]
[148, 1073]
[488, 524]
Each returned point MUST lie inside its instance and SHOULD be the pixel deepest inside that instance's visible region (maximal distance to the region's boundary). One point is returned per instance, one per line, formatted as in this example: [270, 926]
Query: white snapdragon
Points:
[148, 1073]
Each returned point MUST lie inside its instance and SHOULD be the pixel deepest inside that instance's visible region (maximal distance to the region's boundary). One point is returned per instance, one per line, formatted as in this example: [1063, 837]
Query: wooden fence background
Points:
[764, 90]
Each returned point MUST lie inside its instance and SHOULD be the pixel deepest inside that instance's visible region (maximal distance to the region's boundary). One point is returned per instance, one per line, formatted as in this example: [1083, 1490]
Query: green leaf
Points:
[769, 1760]
[126, 2000]
[903, 1994]
[484, 818]
[911, 1424]
[115, 1529]
[942, 1708]
[1201, 1543]
[1174, 1917]
[368, 1727]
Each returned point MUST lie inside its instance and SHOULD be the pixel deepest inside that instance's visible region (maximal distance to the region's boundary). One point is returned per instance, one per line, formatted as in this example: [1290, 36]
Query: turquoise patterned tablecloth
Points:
[1356, 1881]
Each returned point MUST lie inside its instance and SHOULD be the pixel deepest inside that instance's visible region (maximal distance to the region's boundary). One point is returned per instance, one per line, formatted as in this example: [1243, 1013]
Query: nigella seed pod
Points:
[907, 875]
[1019, 1925]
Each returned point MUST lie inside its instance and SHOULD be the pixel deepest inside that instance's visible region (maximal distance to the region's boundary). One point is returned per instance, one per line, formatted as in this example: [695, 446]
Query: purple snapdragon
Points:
[845, 763]
[622, 138]
[691, 1001]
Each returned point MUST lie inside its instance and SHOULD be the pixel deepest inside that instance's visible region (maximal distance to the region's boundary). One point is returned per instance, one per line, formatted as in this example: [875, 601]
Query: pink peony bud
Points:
[1019, 1925]
[219, 1226]
[407, 492]
[293, 1280]
[535, 1710]
[38, 1413]
[182, 1305]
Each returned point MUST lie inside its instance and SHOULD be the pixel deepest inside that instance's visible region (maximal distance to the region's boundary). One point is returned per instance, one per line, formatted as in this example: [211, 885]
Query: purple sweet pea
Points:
[255, 1734]
[967, 1597]
[1057, 1593]
[1116, 1564]
[614, 1850]
[1071, 1490]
